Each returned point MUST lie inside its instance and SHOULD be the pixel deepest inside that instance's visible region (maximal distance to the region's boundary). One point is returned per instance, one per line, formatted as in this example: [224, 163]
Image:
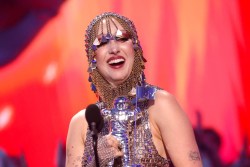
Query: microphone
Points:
[96, 123]
[93, 116]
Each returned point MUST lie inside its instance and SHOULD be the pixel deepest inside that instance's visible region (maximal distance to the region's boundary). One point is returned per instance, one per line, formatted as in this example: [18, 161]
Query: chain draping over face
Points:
[99, 84]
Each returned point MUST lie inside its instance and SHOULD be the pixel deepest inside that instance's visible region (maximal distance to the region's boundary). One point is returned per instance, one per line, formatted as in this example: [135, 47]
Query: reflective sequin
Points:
[142, 150]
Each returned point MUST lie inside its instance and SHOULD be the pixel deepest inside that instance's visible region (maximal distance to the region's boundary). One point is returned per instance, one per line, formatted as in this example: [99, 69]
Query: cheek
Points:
[100, 64]
[131, 55]
[99, 57]
[128, 48]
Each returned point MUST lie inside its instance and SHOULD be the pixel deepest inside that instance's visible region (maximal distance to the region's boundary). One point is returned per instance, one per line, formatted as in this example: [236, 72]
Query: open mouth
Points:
[116, 62]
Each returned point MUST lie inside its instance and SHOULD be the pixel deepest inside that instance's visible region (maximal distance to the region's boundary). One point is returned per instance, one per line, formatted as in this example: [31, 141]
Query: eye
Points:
[101, 44]
[122, 39]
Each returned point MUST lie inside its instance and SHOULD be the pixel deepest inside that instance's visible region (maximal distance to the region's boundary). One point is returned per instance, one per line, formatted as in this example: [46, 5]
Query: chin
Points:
[118, 81]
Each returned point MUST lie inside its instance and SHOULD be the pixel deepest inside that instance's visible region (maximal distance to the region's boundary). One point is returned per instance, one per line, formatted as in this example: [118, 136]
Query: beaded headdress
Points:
[92, 40]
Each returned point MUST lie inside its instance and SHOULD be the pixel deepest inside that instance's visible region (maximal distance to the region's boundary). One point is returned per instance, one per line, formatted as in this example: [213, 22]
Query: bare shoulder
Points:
[77, 129]
[162, 96]
[78, 117]
[166, 111]
[173, 125]
[166, 103]
[78, 124]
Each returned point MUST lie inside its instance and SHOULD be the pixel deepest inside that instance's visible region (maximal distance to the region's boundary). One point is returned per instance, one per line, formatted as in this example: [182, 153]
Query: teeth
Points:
[116, 61]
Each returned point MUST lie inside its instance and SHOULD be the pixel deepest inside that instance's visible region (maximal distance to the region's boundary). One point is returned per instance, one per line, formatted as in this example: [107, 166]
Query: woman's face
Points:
[115, 58]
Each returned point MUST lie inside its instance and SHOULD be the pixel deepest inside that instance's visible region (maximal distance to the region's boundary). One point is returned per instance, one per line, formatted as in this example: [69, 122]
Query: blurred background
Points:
[197, 50]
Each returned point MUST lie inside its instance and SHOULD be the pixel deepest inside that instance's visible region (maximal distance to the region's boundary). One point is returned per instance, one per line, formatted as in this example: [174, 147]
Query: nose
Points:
[113, 47]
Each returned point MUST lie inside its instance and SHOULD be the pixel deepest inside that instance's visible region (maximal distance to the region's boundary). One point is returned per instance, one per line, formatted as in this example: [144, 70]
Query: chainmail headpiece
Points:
[99, 84]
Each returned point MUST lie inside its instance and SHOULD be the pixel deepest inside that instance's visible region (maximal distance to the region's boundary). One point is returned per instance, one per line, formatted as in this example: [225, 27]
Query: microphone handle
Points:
[95, 142]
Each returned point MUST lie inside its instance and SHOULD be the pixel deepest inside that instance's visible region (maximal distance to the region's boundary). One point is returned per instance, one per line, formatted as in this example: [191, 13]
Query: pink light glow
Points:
[6, 114]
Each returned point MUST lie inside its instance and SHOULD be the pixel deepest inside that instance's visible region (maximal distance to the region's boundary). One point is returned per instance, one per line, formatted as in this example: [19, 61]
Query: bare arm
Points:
[175, 130]
[75, 140]
[107, 145]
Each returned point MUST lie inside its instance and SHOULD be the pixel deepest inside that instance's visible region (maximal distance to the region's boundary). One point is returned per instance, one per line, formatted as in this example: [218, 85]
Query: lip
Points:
[115, 58]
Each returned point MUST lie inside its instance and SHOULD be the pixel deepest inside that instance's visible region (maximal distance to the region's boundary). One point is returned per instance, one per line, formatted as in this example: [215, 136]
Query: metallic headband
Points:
[93, 40]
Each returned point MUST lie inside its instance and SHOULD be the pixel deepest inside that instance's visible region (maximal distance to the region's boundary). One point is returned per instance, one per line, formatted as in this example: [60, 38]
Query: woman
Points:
[160, 135]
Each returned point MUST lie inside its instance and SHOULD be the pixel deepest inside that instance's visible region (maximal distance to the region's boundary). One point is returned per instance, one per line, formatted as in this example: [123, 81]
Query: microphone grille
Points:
[93, 114]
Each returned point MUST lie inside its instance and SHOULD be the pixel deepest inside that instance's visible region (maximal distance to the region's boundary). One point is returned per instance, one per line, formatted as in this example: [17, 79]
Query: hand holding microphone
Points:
[105, 147]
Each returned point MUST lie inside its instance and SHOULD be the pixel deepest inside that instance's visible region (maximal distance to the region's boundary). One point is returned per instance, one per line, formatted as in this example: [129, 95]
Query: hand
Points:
[108, 148]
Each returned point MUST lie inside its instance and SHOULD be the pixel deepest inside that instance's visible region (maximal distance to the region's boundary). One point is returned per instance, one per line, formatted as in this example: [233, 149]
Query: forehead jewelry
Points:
[105, 38]
[92, 41]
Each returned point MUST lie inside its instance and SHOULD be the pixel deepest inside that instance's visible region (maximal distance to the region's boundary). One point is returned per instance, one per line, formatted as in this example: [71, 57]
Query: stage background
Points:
[197, 50]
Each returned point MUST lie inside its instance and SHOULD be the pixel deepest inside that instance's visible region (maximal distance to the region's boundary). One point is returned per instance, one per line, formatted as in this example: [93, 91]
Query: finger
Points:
[116, 142]
[103, 142]
[107, 153]
[120, 147]
[110, 142]
[113, 141]
[118, 153]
